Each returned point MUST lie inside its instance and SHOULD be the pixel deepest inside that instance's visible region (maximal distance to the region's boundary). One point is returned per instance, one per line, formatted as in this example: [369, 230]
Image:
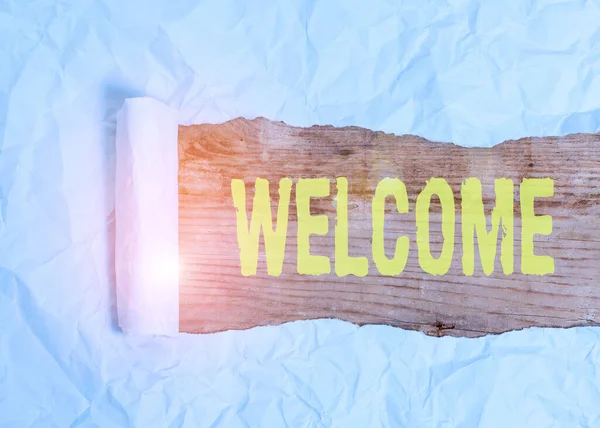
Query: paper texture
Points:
[146, 201]
[475, 72]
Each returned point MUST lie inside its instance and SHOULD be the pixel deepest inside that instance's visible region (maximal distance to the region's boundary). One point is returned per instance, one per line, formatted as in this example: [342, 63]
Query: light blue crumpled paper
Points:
[471, 72]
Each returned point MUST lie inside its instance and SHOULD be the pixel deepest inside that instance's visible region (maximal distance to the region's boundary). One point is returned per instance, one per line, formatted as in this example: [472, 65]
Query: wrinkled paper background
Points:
[471, 72]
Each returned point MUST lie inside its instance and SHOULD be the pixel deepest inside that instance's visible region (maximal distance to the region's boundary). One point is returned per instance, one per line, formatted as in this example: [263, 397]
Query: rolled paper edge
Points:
[146, 212]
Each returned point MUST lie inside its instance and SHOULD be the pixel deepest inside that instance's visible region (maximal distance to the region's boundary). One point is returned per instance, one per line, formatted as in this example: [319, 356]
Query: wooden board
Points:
[215, 296]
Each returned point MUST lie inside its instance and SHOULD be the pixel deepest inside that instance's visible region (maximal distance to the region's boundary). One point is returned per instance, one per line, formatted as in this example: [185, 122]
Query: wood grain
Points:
[214, 296]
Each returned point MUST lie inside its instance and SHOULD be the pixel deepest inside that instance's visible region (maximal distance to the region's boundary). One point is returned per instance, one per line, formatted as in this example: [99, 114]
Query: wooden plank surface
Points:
[215, 296]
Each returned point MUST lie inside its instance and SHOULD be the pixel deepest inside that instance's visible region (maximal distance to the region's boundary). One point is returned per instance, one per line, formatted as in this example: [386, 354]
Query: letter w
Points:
[261, 217]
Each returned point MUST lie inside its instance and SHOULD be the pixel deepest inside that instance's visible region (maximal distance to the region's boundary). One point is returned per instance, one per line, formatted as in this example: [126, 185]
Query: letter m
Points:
[474, 221]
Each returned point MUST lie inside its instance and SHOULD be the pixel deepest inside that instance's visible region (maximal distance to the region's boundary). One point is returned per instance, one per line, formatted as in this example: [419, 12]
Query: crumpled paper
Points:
[471, 72]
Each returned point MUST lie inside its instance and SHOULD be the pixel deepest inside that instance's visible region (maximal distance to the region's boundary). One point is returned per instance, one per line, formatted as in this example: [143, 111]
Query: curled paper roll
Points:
[146, 208]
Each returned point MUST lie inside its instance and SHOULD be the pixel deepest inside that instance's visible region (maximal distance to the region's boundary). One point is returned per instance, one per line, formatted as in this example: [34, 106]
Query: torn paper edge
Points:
[146, 211]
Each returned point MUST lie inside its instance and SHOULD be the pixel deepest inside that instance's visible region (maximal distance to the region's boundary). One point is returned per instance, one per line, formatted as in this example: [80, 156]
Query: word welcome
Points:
[473, 221]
